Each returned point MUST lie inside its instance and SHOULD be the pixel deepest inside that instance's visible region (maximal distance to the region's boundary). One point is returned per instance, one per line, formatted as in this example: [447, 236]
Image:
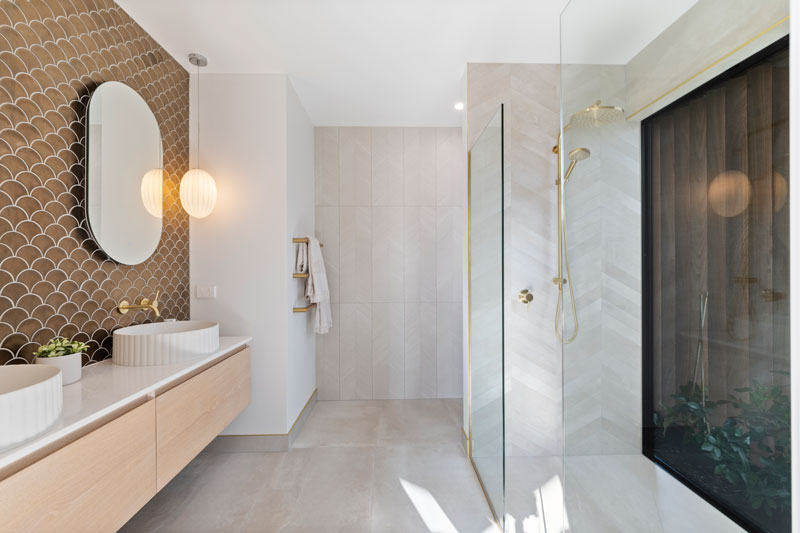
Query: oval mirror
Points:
[123, 176]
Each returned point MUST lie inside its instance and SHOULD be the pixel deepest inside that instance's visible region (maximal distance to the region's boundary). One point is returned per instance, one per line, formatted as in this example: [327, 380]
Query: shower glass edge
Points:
[486, 315]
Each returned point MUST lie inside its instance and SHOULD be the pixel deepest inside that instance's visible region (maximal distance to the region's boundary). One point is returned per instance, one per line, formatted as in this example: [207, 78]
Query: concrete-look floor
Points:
[394, 466]
[604, 494]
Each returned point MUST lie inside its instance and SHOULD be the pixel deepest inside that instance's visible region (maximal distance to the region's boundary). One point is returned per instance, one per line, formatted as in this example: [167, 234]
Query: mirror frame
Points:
[87, 177]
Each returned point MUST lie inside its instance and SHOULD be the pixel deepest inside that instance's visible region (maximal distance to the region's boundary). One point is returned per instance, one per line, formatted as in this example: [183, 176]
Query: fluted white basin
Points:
[164, 342]
[30, 401]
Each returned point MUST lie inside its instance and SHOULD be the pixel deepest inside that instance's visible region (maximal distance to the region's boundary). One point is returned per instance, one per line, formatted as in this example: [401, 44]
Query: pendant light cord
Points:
[197, 96]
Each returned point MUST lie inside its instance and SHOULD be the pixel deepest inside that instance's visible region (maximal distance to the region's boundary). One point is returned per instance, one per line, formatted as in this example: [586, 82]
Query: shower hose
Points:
[568, 281]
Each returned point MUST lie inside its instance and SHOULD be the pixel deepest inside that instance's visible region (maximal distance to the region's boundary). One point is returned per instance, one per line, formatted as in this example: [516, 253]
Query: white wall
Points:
[247, 121]
[390, 205]
[302, 378]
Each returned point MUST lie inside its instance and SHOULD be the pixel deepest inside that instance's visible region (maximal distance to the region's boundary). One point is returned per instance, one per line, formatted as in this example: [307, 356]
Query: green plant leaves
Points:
[59, 346]
[751, 449]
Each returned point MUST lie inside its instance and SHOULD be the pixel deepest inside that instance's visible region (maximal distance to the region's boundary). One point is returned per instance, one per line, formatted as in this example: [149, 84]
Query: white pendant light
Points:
[198, 193]
[151, 192]
[198, 189]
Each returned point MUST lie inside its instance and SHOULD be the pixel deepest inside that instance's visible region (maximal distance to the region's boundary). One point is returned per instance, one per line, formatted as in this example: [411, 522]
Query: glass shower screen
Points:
[486, 439]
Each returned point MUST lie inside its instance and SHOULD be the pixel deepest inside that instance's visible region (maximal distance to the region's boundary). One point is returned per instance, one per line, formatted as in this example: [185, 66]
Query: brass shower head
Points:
[578, 154]
[595, 116]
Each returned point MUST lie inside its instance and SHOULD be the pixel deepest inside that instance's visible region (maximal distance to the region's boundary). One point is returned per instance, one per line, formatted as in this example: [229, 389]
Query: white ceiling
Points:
[378, 62]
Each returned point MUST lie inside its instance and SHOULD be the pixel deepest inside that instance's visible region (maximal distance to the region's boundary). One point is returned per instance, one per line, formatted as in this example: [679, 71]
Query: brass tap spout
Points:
[125, 305]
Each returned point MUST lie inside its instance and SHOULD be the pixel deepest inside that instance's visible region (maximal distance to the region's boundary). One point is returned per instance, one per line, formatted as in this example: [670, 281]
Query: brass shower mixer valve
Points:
[525, 297]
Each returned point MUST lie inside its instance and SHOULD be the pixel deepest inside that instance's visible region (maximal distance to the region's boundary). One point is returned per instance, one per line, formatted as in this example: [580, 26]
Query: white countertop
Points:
[106, 387]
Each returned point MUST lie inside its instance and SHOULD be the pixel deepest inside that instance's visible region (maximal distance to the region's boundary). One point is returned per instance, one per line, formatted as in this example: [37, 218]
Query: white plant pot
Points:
[70, 366]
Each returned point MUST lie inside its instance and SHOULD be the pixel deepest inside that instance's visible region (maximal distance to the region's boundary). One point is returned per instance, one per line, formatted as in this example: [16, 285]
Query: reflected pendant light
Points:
[151, 192]
[198, 190]
[729, 193]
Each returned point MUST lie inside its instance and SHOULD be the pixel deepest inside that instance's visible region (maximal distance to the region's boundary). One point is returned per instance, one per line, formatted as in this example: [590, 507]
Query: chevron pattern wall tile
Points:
[532, 356]
[53, 278]
[602, 368]
[599, 397]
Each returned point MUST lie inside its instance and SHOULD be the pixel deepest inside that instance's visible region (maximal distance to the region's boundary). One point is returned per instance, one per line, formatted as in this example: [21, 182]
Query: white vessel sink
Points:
[164, 343]
[30, 401]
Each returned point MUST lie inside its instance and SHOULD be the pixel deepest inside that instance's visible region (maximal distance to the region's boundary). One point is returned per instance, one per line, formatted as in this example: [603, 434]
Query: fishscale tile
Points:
[55, 280]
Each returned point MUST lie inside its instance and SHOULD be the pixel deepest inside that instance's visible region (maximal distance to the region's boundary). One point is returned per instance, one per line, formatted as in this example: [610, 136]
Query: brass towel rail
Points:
[303, 240]
[302, 275]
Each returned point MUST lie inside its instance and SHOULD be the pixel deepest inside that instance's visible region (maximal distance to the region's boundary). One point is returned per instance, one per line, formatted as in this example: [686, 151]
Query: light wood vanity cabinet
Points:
[189, 416]
[96, 483]
[99, 481]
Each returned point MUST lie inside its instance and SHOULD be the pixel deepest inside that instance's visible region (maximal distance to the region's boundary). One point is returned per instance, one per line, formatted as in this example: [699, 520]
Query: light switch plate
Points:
[206, 291]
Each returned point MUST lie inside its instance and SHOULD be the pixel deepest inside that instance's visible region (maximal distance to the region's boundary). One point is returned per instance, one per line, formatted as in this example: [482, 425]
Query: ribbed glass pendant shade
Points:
[151, 191]
[198, 193]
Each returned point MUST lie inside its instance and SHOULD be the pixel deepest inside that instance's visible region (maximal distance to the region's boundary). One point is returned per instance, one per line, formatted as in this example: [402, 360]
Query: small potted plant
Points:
[64, 354]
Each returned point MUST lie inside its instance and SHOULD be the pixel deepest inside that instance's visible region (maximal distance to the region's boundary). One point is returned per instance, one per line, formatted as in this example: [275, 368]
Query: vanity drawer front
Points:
[189, 416]
[96, 483]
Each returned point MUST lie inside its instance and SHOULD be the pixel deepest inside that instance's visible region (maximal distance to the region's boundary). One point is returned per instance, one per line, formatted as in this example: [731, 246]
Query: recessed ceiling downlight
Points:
[459, 106]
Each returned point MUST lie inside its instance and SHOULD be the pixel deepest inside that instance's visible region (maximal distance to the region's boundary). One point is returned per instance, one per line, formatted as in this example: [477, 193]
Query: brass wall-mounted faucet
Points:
[125, 305]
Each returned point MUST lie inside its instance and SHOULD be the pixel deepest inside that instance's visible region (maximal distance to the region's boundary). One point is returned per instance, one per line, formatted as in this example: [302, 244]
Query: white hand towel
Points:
[317, 287]
[301, 265]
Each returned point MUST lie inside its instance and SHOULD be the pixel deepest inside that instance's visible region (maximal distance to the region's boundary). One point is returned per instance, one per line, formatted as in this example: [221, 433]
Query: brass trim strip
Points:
[485, 494]
[713, 64]
[303, 410]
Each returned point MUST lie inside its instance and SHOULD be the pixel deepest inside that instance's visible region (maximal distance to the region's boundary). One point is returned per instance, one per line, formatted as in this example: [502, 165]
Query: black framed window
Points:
[716, 291]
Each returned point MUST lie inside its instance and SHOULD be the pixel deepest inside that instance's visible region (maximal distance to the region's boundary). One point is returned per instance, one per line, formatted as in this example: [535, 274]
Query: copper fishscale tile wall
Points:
[53, 278]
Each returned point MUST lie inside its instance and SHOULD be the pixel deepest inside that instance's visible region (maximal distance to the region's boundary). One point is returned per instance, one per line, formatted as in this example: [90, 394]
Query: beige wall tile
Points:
[448, 350]
[420, 350]
[387, 166]
[420, 254]
[380, 236]
[387, 254]
[328, 364]
[326, 166]
[355, 351]
[449, 236]
[355, 254]
[388, 376]
[419, 166]
[326, 220]
[450, 167]
[355, 166]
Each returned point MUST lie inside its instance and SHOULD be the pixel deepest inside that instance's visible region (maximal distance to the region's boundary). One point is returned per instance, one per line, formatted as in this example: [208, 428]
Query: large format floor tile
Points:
[604, 494]
[371, 466]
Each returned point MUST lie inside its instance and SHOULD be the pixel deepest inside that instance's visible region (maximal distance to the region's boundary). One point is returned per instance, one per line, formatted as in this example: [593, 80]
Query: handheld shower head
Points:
[578, 154]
